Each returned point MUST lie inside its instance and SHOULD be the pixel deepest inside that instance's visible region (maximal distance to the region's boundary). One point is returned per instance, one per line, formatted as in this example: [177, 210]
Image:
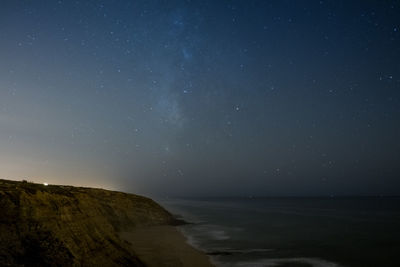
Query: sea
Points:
[292, 231]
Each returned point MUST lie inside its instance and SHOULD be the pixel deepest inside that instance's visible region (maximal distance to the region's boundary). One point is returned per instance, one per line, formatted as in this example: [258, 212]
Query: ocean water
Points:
[298, 232]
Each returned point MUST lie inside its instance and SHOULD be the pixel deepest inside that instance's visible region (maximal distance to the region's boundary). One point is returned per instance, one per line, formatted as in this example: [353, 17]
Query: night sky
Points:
[202, 97]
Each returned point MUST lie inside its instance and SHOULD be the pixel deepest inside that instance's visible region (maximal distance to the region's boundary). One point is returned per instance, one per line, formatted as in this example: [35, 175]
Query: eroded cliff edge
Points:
[71, 226]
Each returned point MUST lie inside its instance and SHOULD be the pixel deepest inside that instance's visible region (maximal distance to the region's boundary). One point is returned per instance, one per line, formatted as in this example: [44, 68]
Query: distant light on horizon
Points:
[202, 97]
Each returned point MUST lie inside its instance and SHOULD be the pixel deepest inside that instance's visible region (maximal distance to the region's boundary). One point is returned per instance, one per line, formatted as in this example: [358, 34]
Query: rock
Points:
[71, 226]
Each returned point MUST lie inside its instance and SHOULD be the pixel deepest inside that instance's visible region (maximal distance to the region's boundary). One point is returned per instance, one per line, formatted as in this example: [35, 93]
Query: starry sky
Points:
[202, 98]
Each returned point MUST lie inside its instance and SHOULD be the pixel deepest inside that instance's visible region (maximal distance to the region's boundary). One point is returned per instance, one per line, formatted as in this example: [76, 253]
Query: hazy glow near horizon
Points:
[202, 97]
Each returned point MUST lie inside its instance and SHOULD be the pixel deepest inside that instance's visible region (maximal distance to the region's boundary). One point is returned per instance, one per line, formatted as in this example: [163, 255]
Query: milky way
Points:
[202, 97]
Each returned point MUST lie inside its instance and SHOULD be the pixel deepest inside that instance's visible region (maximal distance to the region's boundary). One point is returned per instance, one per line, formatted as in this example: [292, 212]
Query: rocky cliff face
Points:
[70, 226]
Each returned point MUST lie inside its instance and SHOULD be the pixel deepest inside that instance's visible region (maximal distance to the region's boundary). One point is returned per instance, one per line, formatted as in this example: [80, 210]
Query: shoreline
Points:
[164, 246]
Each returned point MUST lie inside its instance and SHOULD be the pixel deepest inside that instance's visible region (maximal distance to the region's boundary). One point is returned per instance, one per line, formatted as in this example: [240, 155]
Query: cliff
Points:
[71, 226]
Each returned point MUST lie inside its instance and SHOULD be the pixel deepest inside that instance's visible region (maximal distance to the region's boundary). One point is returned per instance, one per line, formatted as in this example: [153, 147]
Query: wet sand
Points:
[164, 246]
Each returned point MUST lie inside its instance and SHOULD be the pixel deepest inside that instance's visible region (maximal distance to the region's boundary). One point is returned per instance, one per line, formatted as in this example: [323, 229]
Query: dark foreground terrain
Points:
[71, 226]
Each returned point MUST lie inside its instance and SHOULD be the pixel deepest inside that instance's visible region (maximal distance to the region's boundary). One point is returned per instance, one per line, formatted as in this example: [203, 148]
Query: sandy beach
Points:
[164, 246]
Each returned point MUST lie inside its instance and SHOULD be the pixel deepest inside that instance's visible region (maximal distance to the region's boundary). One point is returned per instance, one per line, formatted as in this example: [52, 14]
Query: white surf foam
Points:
[315, 262]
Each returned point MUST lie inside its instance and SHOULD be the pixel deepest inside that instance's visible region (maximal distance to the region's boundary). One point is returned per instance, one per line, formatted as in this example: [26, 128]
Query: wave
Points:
[231, 251]
[211, 232]
[218, 235]
[314, 262]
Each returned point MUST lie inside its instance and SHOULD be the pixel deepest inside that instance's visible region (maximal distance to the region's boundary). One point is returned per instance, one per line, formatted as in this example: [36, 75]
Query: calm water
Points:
[294, 231]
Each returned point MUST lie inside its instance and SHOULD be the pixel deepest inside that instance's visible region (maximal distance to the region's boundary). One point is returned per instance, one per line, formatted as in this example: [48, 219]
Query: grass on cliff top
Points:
[31, 187]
